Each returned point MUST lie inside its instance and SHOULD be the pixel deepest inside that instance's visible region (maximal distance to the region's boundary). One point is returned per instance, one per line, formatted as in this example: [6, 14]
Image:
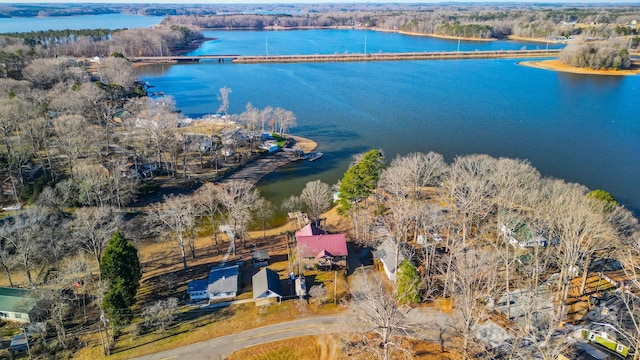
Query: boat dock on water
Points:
[315, 156]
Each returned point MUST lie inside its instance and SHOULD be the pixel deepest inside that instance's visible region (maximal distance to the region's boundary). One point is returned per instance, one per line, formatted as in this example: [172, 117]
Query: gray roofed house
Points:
[266, 287]
[221, 284]
[386, 253]
[16, 304]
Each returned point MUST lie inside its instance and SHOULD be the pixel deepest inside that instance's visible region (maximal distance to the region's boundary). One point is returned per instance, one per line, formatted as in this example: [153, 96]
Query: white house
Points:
[16, 305]
[386, 253]
[222, 284]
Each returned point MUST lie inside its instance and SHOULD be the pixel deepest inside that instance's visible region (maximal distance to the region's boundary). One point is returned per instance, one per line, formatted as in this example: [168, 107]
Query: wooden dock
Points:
[441, 55]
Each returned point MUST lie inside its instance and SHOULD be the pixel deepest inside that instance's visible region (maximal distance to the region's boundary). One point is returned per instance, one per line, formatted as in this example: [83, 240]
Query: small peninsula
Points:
[556, 65]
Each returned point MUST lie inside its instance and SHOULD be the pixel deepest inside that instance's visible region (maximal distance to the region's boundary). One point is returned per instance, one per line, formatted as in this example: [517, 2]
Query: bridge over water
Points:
[442, 55]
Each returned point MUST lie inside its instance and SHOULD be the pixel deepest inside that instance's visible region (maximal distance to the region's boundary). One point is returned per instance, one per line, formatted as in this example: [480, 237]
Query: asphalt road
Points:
[221, 347]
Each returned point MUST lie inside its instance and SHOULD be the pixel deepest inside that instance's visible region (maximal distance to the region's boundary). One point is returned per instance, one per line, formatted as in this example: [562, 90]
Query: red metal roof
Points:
[309, 230]
[314, 245]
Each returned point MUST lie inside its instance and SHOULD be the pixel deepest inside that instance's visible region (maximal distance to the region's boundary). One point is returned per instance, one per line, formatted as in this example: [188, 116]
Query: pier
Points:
[441, 55]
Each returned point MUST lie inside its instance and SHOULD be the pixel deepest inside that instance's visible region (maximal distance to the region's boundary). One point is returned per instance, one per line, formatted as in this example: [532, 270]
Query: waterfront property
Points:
[16, 304]
[222, 284]
[315, 247]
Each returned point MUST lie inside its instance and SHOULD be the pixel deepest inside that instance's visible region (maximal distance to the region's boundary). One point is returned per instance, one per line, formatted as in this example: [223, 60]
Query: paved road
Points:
[220, 348]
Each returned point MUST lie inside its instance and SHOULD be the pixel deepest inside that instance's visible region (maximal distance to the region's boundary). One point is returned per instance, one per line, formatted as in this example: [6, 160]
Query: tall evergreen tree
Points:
[120, 266]
[360, 180]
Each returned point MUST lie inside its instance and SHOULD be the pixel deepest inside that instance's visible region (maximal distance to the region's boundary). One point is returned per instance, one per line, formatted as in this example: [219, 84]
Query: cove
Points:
[581, 128]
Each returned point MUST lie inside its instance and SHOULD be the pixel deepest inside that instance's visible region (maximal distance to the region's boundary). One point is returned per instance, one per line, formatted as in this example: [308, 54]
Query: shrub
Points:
[596, 56]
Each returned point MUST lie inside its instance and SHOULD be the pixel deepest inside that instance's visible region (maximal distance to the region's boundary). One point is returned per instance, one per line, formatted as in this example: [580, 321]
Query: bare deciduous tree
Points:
[318, 198]
[223, 97]
[25, 235]
[238, 198]
[161, 313]
[378, 313]
[116, 71]
[210, 207]
[174, 215]
[93, 227]
[474, 285]
[69, 134]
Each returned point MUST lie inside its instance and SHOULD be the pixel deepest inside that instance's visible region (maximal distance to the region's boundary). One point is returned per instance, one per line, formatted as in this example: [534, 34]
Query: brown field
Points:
[321, 347]
[327, 347]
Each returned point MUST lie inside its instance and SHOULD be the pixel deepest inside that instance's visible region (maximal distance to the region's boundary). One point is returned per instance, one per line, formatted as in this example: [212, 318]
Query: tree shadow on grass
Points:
[168, 284]
[185, 322]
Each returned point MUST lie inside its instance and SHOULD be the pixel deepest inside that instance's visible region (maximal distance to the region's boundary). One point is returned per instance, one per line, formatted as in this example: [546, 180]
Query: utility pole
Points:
[106, 331]
[335, 288]
[26, 338]
[548, 35]
[101, 339]
[365, 44]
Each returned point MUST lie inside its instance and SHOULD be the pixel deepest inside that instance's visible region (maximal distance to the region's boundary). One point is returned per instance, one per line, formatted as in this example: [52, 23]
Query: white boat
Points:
[315, 156]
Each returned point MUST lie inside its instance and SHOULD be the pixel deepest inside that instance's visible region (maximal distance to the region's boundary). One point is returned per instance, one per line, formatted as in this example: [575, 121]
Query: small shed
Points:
[301, 286]
[266, 287]
[260, 258]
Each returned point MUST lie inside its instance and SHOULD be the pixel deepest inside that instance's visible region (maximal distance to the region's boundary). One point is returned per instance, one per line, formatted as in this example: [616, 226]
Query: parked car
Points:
[19, 343]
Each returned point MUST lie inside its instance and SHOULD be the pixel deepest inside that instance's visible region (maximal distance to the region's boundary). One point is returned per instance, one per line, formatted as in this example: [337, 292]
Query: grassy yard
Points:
[323, 347]
[196, 325]
[164, 277]
[328, 347]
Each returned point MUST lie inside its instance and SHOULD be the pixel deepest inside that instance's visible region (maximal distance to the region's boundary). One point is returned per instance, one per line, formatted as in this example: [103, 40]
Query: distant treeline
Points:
[453, 20]
[16, 48]
[59, 37]
[40, 10]
[466, 31]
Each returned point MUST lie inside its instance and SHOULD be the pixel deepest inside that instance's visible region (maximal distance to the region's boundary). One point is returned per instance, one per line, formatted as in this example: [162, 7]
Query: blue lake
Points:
[581, 128]
[288, 42]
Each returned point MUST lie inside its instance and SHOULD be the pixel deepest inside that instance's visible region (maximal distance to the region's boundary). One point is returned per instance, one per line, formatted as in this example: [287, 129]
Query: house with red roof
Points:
[317, 247]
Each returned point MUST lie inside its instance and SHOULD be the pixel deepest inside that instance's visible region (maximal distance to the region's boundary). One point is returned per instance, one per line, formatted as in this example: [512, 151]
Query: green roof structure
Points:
[17, 301]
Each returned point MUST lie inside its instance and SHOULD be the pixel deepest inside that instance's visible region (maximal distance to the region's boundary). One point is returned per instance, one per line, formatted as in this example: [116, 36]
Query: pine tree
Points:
[360, 180]
[120, 266]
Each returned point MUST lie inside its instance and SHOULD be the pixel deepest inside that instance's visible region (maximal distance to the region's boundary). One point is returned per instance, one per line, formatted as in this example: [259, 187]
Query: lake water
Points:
[581, 128]
[106, 21]
[339, 42]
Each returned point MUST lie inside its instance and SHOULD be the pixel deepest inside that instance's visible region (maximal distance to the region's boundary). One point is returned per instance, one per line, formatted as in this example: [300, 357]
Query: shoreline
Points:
[445, 37]
[532, 40]
[260, 167]
[556, 65]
